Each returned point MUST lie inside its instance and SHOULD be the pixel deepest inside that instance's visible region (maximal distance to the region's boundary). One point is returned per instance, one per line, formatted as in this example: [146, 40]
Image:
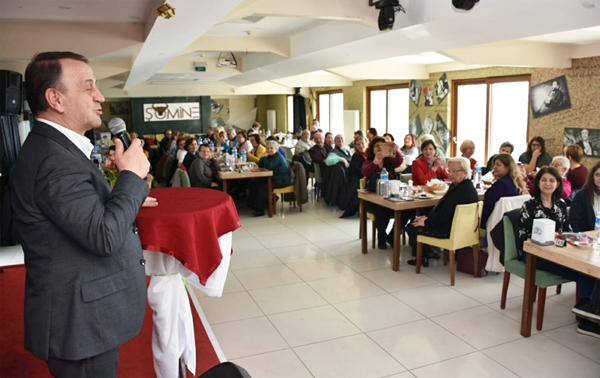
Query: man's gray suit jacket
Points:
[85, 291]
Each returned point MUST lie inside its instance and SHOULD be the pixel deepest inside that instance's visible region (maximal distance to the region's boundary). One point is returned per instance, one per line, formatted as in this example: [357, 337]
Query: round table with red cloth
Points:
[187, 224]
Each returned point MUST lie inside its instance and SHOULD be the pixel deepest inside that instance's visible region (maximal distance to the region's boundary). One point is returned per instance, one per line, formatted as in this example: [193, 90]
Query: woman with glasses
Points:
[438, 223]
[428, 166]
[535, 156]
[547, 204]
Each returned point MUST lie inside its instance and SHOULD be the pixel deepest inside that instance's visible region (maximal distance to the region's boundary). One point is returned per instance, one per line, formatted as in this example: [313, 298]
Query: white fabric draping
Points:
[173, 331]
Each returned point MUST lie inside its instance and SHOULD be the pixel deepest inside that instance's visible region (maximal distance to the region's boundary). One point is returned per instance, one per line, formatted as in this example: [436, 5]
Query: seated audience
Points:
[231, 141]
[318, 153]
[249, 132]
[329, 140]
[110, 158]
[586, 203]
[221, 140]
[256, 127]
[505, 148]
[165, 142]
[388, 137]
[535, 156]
[439, 152]
[578, 173]
[315, 129]
[357, 133]
[547, 203]
[203, 171]
[428, 166]
[340, 154]
[210, 134]
[508, 183]
[561, 164]
[191, 146]
[301, 153]
[257, 149]
[371, 169]
[409, 150]
[371, 133]
[467, 149]
[272, 160]
[181, 152]
[336, 175]
[280, 149]
[438, 223]
[243, 143]
[354, 176]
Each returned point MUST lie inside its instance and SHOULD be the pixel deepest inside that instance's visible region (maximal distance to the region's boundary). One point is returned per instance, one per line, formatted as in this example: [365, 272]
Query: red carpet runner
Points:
[135, 357]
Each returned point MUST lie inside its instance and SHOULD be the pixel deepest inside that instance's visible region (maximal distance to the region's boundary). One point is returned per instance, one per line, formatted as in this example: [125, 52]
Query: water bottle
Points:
[384, 175]
[597, 235]
[243, 156]
[212, 146]
[268, 133]
[477, 176]
[383, 186]
[234, 154]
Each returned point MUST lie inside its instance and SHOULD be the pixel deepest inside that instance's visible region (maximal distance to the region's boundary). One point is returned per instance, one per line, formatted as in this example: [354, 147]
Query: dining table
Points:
[225, 176]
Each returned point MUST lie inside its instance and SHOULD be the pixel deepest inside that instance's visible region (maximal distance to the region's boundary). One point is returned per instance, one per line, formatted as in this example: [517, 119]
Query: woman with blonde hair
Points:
[508, 182]
[467, 149]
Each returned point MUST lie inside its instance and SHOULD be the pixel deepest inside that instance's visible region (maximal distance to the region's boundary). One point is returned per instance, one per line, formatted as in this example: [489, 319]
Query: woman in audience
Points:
[354, 176]
[388, 137]
[280, 149]
[535, 156]
[547, 203]
[410, 150]
[181, 151]
[203, 171]
[257, 148]
[274, 161]
[508, 183]
[191, 146]
[467, 149]
[505, 148]
[561, 164]
[371, 169]
[371, 133]
[438, 223]
[578, 174]
[428, 166]
[586, 203]
[243, 143]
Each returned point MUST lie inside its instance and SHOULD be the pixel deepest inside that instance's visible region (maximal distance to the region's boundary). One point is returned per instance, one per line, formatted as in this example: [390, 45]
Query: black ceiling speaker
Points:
[387, 12]
[464, 4]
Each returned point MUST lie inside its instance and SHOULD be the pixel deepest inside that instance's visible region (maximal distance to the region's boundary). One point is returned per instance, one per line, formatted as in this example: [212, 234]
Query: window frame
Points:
[329, 92]
[287, 112]
[387, 88]
[488, 81]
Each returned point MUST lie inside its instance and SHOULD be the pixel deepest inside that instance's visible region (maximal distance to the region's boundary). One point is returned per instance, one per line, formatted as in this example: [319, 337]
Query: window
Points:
[387, 109]
[490, 112]
[330, 111]
[290, 114]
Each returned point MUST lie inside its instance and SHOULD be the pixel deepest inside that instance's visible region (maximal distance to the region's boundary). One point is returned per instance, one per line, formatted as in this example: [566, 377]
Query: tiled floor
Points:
[302, 301]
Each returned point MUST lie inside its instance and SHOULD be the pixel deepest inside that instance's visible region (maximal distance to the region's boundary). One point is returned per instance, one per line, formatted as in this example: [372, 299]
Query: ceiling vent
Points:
[248, 20]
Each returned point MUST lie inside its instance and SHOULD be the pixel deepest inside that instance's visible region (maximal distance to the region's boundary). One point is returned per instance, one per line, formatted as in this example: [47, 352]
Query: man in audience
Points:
[315, 129]
[340, 154]
[86, 284]
[329, 140]
[301, 153]
[318, 152]
[165, 143]
[231, 141]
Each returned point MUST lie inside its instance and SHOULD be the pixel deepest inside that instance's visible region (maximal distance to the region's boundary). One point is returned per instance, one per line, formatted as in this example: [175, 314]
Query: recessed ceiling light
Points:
[64, 7]
[588, 5]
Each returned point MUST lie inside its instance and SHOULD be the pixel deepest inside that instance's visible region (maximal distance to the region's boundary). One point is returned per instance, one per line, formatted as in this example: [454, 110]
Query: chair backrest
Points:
[510, 243]
[288, 153]
[405, 177]
[318, 176]
[185, 179]
[362, 183]
[465, 225]
[503, 205]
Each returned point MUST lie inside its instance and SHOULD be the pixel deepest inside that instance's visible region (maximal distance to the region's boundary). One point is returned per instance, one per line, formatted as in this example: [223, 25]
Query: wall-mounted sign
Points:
[176, 111]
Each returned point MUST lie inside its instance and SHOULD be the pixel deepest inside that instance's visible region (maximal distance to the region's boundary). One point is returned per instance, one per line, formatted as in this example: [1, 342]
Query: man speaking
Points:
[85, 291]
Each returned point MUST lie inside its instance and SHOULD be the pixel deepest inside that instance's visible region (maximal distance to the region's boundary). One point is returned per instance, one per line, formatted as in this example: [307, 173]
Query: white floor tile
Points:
[269, 276]
[346, 288]
[486, 289]
[241, 233]
[364, 263]
[232, 285]
[481, 327]
[331, 234]
[582, 344]
[259, 230]
[319, 269]
[253, 259]
[370, 314]
[474, 365]
[230, 307]
[312, 325]
[555, 315]
[245, 245]
[287, 298]
[420, 343]
[446, 300]
[340, 248]
[248, 337]
[299, 253]
[289, 239]
[540, 356]
[349, 357]
[279, 364]
[566, 297]
[395, 281]
[441, 273]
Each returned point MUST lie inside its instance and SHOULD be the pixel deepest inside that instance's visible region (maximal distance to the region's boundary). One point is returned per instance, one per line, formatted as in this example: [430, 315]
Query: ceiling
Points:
[280, 45]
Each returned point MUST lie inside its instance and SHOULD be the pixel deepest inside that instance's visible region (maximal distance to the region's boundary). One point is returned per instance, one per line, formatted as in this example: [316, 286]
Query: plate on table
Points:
[423, 195]
[439, 192]
[582, 243]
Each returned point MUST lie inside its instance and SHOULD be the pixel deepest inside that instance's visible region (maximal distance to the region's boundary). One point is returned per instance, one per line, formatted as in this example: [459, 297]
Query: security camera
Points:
[464, 4]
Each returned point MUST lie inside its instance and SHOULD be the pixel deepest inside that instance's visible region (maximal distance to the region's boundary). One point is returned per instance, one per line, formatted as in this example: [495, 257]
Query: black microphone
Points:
[119, 130]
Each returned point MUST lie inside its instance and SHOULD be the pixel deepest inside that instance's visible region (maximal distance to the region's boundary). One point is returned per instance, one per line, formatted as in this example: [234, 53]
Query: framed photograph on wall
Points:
[442, 88]
[550, 96]
[442, 131]
[415, 127]
[415, 92]
[587, 139]
[428, 95]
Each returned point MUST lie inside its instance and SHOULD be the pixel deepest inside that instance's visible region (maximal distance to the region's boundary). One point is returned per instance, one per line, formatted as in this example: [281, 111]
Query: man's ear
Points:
[55, 100]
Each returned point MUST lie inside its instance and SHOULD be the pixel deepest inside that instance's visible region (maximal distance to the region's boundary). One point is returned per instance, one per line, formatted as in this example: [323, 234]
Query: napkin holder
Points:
[542, 232]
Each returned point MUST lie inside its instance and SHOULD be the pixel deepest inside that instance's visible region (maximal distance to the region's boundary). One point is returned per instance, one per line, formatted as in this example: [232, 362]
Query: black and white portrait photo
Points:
[587, 139]
[549, 97]
[441, 131]
[428, 96]
[415, 127]
[428, 125]
[442, 88]
[415, 91]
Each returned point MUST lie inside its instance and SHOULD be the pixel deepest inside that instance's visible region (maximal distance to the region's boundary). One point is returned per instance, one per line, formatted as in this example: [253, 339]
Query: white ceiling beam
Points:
[453, 66]
[315, 79]
[382, 70]
[279, 46]
[108, 68]
[584, 51]
[186, 65]
[168, 38]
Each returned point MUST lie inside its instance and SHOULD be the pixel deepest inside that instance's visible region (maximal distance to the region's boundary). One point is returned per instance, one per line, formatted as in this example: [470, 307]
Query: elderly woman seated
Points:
[336, 175]
[562, 165]
[301, 149]
[257, 148]
[429, 166]
[274, 161]
[547, 204]
[439, 221]
[203, 171]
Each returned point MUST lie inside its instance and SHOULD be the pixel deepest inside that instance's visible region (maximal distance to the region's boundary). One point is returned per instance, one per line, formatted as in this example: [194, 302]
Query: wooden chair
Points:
[282, 191]
[318, 180]
[405, 177]
[371, 216]
[464, 233]
[512, 265]
[185, 179]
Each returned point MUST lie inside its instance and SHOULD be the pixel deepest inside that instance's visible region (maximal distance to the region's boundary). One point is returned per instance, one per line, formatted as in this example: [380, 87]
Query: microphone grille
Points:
[116, 126]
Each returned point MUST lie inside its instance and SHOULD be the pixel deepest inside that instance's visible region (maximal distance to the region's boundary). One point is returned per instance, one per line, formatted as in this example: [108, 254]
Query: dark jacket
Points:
[85, 291]
[203, 173]
[278, 165]
[505, 187]
[188, 160]
[354, 176]
[581, 215]
[319, 154]
[439, 220]
[542, 160]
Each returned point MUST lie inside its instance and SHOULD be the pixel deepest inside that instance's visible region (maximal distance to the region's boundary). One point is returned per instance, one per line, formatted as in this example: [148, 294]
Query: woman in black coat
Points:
[354, 176]
[582, 215]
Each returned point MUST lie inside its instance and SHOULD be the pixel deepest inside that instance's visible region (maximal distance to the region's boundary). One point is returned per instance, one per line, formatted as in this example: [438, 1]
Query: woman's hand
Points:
[437, 164]
[419, 221]
[535, 155]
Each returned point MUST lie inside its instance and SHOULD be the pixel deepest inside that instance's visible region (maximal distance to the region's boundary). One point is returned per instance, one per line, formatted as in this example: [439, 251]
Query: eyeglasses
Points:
[536, 145]
[455, 171]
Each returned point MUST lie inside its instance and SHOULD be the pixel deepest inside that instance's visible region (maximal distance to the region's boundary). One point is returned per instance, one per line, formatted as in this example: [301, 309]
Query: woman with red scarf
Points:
[354, 176]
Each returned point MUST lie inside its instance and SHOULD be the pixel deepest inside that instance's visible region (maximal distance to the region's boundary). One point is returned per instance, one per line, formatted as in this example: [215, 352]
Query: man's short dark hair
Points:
[509, 145]
[327, 133]
[43, 72]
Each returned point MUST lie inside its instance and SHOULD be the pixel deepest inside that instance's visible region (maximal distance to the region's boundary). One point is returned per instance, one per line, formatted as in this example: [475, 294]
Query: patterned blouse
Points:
[535, 209]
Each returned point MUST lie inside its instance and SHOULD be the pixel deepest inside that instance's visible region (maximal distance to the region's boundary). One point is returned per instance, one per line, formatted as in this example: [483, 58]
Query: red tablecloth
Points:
[187, 224]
